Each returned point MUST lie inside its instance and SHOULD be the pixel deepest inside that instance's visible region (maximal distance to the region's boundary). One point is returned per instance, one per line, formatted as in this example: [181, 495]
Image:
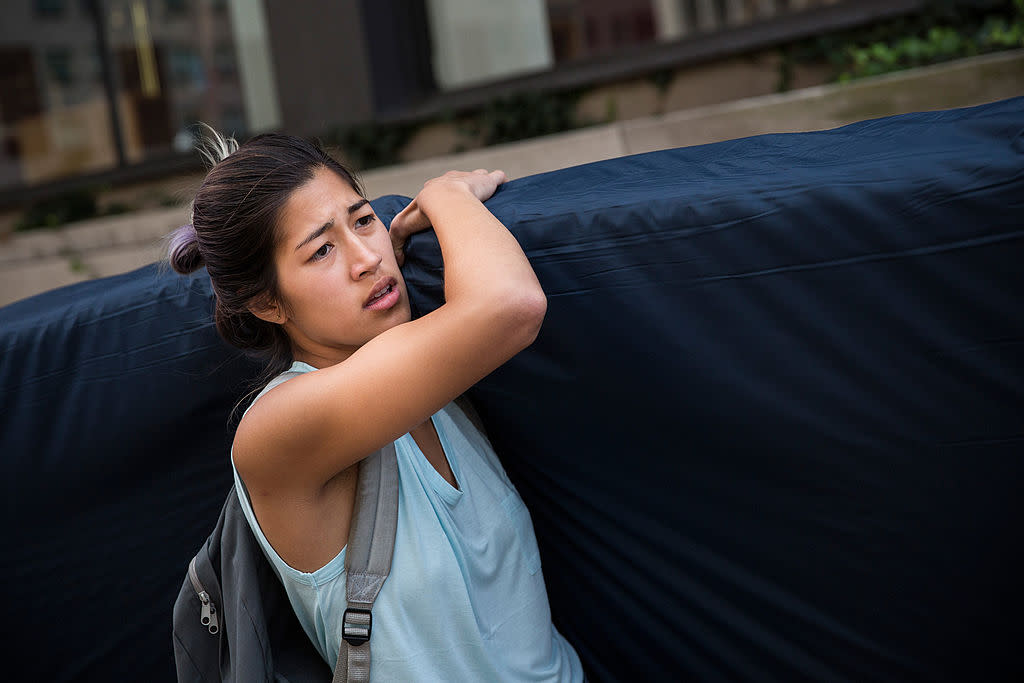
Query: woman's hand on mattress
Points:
[408, 221]
[412, 219]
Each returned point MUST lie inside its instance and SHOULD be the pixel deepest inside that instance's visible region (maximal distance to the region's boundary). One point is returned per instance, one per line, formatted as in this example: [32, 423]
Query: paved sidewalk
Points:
[35, 261]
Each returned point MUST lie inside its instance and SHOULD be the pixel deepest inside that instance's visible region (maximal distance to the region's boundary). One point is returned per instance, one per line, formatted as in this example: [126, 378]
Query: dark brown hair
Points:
[234, 232]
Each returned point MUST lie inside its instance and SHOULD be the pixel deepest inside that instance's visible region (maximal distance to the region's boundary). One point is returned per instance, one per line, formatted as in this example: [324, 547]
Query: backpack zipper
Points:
[208, 613]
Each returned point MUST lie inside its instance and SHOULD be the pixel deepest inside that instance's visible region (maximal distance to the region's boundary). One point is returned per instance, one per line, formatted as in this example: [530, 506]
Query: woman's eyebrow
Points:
[316, 233]
[327, 226]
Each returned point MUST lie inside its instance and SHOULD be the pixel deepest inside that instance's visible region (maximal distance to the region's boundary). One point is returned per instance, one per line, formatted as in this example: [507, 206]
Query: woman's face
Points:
[338, 279]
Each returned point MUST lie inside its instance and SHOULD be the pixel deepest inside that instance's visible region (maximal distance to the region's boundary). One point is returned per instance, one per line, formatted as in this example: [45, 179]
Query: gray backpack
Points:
[232, 619]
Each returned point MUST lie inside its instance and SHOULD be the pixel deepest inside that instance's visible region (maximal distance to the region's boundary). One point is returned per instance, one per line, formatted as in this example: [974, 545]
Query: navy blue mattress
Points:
[772, 428]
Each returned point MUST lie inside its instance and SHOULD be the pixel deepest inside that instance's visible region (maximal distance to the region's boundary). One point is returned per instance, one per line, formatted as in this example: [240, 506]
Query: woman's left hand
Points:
[410, 220]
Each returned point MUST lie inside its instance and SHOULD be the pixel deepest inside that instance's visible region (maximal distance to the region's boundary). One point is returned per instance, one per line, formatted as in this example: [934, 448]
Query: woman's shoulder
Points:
[260, 418]
[296, 369]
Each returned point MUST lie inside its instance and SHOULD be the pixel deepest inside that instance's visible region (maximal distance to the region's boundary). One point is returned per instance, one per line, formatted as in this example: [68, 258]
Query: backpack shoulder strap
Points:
[371, 544]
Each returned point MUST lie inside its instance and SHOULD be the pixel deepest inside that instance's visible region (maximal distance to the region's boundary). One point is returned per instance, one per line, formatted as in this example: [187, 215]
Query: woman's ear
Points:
[269, 310]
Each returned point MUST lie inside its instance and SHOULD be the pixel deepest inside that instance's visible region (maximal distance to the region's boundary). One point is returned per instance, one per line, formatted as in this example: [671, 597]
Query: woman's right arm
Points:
[310, 428]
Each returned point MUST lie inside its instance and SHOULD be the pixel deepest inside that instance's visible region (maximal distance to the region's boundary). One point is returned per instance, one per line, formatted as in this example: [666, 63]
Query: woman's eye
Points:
[363, 221]
[322, 252]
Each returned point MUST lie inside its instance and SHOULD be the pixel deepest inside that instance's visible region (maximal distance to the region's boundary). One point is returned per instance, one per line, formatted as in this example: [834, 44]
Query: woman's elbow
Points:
[526, 309]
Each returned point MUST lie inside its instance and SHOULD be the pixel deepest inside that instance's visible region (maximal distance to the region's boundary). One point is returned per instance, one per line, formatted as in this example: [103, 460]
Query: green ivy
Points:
[939, 44]
[372, 144]
[943, 30]
[56, 211]
[76, 205]
[521, 116]
[504, 119]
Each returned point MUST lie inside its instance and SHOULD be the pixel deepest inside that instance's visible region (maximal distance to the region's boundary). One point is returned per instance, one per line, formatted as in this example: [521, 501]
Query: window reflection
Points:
[486, 40]
[163, 66]
[54, 119]
[175, 63]
[89, 85]
[48, 8]
[476, 41]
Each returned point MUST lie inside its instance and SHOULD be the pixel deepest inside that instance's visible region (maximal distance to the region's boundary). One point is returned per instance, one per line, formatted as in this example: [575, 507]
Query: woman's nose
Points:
[365, 260]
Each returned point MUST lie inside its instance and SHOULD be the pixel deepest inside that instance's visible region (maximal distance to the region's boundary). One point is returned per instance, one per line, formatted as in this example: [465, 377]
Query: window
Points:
[58, 66]
[175, 8]
[48, 9]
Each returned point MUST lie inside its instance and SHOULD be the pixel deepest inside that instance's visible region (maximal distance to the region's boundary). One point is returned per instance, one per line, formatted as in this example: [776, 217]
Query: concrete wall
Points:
[319, 91]
[39, 260]
[956, 84]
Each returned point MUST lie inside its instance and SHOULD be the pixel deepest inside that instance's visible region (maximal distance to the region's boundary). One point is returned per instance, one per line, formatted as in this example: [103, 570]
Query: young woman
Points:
[305, 274]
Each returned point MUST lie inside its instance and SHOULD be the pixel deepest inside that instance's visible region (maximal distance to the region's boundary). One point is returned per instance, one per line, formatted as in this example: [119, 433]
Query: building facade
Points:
[100, 90]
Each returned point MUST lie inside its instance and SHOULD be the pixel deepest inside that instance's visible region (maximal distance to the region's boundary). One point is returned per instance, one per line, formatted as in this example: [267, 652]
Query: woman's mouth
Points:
[384, 295]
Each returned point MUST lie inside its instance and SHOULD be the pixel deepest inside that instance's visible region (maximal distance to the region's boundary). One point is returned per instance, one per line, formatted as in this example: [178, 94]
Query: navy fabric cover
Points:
[771, 429]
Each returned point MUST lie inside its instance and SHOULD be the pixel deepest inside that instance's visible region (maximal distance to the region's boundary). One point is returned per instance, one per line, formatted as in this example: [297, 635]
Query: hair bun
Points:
[183, 250]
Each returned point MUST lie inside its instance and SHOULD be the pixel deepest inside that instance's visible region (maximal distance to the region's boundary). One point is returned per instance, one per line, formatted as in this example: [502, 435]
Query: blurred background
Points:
[100, 99]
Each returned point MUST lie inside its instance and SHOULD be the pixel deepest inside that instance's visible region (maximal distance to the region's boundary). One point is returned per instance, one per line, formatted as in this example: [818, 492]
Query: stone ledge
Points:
[132, 229]
[961, 83]
[517, 159]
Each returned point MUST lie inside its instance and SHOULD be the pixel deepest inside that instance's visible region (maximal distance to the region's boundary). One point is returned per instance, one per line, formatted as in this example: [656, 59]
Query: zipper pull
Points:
[208, 614]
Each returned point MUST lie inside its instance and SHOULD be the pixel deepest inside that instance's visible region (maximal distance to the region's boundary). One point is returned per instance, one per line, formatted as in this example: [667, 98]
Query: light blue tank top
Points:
[465, 600]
